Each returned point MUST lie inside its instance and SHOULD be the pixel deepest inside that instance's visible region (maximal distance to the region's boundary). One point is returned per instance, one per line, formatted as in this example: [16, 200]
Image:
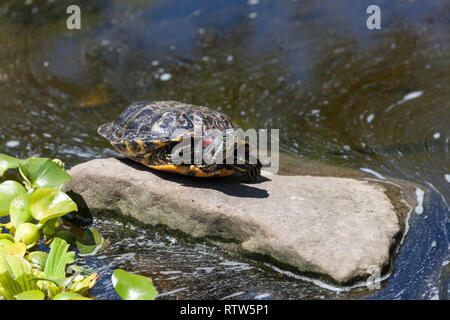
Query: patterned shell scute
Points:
[157, 121]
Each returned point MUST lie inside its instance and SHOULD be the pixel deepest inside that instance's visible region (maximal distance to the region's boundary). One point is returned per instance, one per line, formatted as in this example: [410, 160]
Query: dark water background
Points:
[339, 93]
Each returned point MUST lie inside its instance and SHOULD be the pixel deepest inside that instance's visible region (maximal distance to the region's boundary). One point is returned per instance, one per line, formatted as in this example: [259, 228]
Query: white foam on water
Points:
[165, 77]
[370, 118]
[407, 225]
[239, 266]
[170, 272]
[419, 194]
[171, 292]
[12, 144]
[447, 177]
[233, 295]
[326, 285]
[372, 172]
[262, 296]
[105, 42]
[434, 294]
[409, 96]
[205, 269]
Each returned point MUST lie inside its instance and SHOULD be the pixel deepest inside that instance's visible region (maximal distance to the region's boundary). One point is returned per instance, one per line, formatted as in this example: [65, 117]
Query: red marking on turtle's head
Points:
[207, 142]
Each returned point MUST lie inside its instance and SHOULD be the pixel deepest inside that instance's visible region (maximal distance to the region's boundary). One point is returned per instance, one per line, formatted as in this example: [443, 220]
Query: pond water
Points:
[376, 101]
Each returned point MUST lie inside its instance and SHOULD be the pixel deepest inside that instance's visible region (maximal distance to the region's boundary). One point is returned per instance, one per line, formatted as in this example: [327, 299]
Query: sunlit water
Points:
[376, 101]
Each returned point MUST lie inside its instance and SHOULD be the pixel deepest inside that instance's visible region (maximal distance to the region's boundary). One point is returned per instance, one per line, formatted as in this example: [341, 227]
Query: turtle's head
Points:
[238, 155]
[234, 153]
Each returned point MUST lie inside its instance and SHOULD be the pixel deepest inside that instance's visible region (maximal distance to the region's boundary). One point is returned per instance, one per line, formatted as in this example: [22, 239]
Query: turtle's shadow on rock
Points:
[232, 185]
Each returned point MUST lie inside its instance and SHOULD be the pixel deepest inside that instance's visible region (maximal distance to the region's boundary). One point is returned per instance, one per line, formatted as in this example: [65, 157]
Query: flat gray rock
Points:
[342, 228]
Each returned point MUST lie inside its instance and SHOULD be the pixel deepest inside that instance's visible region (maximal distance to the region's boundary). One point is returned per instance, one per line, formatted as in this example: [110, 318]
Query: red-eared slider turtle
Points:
[147, 132]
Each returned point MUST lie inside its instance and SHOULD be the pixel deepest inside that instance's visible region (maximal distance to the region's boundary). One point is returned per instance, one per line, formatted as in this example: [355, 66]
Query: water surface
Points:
[376, 101]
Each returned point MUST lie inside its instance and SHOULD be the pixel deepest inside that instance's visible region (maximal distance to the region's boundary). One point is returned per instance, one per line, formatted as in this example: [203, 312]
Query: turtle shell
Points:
[146, 126]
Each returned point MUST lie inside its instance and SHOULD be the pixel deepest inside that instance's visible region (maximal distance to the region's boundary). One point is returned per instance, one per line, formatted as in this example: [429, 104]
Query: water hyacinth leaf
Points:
[58, 258]
[47, 203]
[14, 265]
[77, 269]
[15, 275]
[8, 191]
[28, 233]
[6, 236]
[69, 296]
[3, 167]
[30, 295]
[13, 286]
[81, 284]
[132, 286]
[5, 243]
[18, 210]
[82, 270]
[59, 163]
[91, 242]
[7, 162]
[17, 249]
[5, 240]
[53, 287]
[43, 173]
[37, 259]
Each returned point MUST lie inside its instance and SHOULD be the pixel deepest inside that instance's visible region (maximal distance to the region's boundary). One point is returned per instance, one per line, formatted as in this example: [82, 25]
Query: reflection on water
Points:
[340, 94]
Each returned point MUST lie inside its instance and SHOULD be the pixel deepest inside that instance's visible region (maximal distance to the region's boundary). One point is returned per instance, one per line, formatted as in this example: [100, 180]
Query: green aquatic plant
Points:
[91, 242]
[16, 276]
[30, 295]
[27, 233]
[35, 209]
[132, 286]
[48, 203]
[43, 173]
[7, 162]
[9, 190]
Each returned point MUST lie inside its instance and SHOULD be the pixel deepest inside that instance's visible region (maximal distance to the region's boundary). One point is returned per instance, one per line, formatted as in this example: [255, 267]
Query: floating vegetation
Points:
[35, 210]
